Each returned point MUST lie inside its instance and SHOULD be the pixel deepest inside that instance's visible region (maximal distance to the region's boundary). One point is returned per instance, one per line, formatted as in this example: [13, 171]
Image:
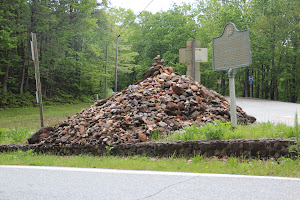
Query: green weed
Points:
[12, 136]
[220, 130]
[198, 164]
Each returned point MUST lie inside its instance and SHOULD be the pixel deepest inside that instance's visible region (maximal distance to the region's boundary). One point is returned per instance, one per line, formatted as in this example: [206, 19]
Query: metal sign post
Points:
[34, 52]
[251, 85]
[232, 98]
[219, 85]
[231, 51]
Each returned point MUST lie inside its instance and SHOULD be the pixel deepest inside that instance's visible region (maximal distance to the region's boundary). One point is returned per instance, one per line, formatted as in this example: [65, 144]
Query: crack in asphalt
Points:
[167, 188]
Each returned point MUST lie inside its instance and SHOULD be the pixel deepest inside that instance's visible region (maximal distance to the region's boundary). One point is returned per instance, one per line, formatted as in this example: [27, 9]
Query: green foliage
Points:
[216, 131]
[210, 131]
[29, 117]
[220, 130]
[12, 136]
[283, 167]
[13, 100]
[72, 37]
[156, 135]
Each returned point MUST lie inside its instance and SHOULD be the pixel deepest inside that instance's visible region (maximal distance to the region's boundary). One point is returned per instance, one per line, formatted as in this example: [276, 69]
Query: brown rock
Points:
[142, 137]
[35, 138]
[206, 93]
[194, 88]
[178, 90]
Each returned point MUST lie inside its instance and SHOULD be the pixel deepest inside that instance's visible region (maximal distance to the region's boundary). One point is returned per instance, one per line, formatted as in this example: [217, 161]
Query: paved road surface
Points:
[18, 182]
[273, 111]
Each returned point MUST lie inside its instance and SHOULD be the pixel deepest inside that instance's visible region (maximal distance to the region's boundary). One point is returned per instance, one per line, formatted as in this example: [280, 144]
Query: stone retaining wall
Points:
[263, 148]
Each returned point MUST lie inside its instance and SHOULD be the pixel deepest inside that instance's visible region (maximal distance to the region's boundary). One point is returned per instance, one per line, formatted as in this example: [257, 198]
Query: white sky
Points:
[138, 5]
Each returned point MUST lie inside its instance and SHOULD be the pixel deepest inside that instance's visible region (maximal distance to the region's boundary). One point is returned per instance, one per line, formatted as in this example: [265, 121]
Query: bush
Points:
[11, 100]
[210, 131]
[216, 131]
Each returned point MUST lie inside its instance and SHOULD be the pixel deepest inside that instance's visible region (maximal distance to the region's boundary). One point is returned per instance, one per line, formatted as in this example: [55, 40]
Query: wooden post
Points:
[37, 75]
[193, 58]
[116, 68]
[105, 90]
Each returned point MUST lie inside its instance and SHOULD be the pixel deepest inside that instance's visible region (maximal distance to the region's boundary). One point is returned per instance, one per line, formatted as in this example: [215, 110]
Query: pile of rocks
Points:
[163, 101]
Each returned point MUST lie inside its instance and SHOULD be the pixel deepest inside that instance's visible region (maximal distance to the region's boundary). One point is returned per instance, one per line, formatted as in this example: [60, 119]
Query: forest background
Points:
[72, 37]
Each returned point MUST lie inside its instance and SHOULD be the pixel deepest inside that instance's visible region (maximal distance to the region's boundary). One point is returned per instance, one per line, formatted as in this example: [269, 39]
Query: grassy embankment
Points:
[17, 124]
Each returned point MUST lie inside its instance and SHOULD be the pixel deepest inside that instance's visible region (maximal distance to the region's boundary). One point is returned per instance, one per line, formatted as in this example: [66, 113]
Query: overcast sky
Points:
[138, 5]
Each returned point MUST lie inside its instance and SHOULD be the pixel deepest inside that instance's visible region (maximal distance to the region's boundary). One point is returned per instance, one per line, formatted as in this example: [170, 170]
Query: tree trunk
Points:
[246, 84]
[292, 90]
[5, 81]
[267, 83]
[257, 84]
[276, 89]
[272, 88]
[24, 69]
[262, 82]
[223, 83]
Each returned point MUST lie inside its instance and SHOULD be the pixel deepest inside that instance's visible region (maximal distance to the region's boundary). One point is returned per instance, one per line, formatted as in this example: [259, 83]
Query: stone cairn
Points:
[163, 101]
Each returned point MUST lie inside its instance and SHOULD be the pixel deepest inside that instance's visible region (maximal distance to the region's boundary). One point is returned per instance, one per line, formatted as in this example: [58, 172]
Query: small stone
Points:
[178, 90]
[194, 88]
[189, 92]
[162, 124]
[142, 137]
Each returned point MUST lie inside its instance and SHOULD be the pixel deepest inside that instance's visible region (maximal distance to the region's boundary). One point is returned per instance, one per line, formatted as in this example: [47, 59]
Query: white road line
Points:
[141, 172]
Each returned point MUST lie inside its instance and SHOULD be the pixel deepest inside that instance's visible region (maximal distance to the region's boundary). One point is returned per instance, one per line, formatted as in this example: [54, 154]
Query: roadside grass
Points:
[224, 131]
[29, 117]
[16, 125]
[283, 167]
[14, 136]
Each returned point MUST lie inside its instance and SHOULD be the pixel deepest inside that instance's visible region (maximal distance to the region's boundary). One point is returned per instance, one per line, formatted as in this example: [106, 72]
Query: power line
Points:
[144, 9]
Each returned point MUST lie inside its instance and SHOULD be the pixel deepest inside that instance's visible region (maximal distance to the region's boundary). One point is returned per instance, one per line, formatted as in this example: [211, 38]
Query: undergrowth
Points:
[282, 167]
[13, 136]
[219, 130]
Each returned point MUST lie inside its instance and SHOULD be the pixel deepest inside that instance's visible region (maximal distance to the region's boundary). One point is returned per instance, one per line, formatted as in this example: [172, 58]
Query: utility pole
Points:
[116, 68]
[105, 90]
[35, 58]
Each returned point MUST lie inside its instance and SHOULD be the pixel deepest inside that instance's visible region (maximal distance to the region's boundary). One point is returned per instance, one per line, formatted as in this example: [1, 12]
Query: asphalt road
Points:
[273, 111]
[33, 182]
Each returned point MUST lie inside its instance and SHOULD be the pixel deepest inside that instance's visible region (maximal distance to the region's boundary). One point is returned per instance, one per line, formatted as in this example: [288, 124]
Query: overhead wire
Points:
[144, 9]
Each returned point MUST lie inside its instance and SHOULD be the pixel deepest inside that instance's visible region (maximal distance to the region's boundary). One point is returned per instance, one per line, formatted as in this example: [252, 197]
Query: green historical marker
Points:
[231, 51]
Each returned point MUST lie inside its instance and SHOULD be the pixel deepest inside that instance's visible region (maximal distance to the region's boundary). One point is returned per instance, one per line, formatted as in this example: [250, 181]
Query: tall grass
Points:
[220, 130]
[13, 136]
[29, 117]
[282, 167]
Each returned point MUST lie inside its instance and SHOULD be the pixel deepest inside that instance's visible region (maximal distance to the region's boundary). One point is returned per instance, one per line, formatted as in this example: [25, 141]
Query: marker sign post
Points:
[251, 85]
[231, 51]
[219, 85]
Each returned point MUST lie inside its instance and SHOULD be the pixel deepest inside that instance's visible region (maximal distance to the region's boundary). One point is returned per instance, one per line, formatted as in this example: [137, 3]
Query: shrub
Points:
[215, 131]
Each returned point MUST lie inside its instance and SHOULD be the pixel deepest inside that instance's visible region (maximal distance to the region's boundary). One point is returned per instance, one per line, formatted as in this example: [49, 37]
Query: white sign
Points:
[201, 55]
